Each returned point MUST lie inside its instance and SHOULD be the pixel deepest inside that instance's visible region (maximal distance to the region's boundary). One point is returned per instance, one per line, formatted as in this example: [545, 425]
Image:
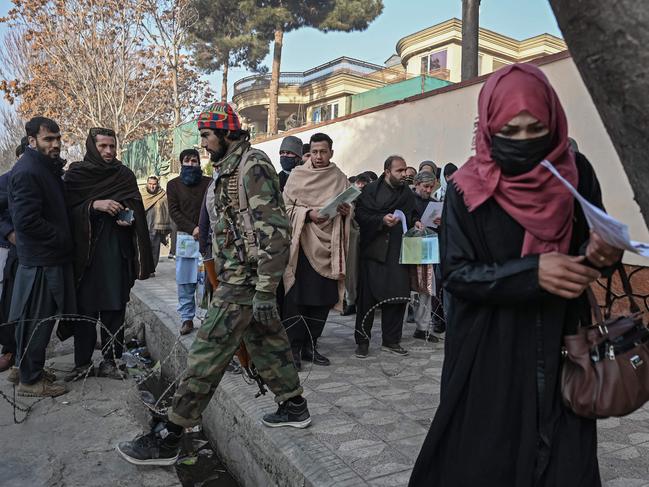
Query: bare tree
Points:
[12, 131]
[166, 25]
[90, 65]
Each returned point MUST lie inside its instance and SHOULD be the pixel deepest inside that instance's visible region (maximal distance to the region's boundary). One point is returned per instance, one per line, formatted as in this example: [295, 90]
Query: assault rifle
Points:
[251, 370]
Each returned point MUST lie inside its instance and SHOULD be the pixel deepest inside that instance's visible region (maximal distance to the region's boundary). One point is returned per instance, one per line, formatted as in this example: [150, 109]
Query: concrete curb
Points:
[255, 455]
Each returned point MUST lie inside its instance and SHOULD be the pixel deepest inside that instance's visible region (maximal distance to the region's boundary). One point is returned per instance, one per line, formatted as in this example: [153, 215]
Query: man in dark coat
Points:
[381, 276]
[44, 285]
[112, 249]
[185, 196]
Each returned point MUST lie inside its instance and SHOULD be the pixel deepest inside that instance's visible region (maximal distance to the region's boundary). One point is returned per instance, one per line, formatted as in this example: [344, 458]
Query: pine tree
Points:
[225, 37]
[277, 17]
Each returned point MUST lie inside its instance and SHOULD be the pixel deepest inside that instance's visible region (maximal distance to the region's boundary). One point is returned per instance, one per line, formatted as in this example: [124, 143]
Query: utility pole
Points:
[470, 30]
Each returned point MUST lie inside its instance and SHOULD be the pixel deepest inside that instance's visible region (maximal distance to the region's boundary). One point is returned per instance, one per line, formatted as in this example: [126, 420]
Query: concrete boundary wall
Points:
[438, 125]
[255, 455]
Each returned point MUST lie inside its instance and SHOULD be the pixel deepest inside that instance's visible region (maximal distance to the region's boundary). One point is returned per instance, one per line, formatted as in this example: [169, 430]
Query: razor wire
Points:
[155, 408]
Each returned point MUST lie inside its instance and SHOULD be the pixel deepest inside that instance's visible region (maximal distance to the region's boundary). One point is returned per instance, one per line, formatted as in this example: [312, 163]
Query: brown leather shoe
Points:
[42, 388]
[187, 327]
[6, 361]
[14, 375]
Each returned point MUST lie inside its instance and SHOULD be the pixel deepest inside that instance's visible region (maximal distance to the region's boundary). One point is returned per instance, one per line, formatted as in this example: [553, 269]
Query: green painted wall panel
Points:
[396, 91]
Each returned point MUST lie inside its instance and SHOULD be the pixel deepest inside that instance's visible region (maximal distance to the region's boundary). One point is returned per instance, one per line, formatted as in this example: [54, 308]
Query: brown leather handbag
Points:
[606, 367]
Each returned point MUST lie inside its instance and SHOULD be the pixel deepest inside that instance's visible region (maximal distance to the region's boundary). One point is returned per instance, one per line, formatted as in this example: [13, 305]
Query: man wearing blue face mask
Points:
[185, 196]
[290, 155]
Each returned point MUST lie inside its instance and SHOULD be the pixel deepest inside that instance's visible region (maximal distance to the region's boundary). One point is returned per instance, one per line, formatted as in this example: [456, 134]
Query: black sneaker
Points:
[424, 335]
[362, 350]
[289, 414]
[395, 349]
[314, 357]
[160, 447]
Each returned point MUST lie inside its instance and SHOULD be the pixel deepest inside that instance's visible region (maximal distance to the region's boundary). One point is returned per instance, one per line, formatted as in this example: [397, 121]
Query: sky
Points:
[307, 48]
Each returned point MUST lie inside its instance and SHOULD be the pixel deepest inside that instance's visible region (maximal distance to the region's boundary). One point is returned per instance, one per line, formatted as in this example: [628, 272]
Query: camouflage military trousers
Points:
[225, 325]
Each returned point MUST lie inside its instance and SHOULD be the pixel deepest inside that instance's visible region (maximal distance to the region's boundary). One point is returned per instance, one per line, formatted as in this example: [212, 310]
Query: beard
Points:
[152, 192]
[52, 153]
[218, 154]
[395, 181]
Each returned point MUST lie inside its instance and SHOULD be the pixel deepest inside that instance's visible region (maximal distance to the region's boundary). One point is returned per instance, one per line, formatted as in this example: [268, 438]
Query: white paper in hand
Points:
[400, 215]
[348, 196]
[612, 231]
[432, 212]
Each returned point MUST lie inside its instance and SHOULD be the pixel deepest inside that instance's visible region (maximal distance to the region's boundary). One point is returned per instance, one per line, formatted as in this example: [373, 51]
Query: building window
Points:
[432, 63]
[323, 113]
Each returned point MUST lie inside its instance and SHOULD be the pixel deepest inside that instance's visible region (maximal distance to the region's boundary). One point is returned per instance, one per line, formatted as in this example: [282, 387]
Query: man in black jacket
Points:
[381, 278]
[44, 285]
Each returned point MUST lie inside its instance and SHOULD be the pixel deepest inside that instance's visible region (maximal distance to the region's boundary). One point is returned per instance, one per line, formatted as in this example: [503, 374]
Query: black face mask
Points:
[191, 175]
[517, 157]
[288, 163]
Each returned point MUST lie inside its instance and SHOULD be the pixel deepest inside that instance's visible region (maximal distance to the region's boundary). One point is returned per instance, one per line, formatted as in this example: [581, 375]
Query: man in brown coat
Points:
[185, 196]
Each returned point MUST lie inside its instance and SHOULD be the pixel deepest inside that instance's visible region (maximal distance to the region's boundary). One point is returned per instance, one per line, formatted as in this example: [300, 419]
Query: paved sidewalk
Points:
[373, 414]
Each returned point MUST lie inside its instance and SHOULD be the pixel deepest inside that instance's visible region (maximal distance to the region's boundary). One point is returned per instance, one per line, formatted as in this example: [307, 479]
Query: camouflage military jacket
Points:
[240, 272]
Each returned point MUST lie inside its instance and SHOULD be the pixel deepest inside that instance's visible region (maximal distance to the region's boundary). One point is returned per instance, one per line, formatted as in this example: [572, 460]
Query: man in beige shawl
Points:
[315, 276]
[157, 216]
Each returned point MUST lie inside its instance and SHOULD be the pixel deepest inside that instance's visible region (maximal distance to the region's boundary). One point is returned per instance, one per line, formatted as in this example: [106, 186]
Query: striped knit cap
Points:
[219, 115]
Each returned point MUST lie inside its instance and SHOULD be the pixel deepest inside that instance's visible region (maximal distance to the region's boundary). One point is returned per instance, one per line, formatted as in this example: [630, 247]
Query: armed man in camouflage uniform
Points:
[250, 240]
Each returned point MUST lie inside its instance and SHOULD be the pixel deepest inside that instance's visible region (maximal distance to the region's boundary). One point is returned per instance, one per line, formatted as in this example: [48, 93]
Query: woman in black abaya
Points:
[511, 241]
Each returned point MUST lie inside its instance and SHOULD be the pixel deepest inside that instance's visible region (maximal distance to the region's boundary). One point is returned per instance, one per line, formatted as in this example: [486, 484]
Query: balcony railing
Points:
[337, 66]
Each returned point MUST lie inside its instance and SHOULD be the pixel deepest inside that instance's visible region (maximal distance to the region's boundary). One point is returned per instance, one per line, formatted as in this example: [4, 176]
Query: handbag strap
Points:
[597, 311]
[626, 286]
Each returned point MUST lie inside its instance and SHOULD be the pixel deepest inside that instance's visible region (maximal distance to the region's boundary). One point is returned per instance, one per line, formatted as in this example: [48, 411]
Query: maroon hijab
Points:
[536, 200]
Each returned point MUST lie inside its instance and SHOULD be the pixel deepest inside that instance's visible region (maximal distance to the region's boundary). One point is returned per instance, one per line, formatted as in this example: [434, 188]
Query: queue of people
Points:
[515, 249]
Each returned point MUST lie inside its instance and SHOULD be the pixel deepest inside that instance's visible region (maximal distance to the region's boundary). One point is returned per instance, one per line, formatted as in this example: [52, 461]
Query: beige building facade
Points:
[324, 92]
[412, 129]
[437, 50]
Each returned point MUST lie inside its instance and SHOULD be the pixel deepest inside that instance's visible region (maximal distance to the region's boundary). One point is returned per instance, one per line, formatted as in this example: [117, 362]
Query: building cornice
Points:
[450, 32]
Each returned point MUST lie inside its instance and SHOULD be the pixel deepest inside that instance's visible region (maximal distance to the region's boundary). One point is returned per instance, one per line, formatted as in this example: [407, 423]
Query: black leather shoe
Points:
[424, 335]
[315, 357]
